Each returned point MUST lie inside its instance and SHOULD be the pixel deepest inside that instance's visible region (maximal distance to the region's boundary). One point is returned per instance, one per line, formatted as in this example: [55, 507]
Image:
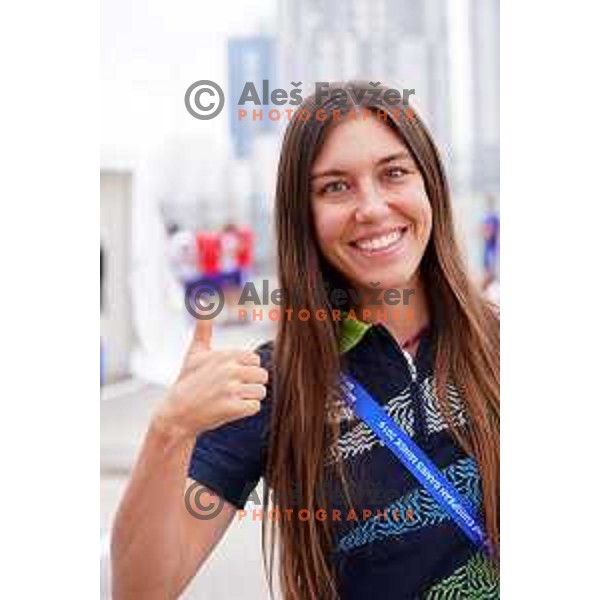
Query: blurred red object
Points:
[209, 253]
[216, 254]
[245, 253]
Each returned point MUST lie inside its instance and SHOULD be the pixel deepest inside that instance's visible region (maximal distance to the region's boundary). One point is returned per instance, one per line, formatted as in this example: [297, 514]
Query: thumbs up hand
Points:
[213, 388]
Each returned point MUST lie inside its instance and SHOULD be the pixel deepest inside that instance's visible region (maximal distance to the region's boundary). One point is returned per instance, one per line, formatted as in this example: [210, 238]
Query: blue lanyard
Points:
[414, 459]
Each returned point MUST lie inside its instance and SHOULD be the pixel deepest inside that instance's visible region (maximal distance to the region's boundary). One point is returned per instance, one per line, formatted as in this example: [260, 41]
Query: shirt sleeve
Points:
[231, 459]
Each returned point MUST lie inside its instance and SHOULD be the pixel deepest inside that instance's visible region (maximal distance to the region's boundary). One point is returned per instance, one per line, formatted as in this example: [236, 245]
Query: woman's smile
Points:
[384, 243]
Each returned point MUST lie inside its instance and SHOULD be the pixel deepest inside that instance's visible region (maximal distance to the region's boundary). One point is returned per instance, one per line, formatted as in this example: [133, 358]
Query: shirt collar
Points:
[351, 332]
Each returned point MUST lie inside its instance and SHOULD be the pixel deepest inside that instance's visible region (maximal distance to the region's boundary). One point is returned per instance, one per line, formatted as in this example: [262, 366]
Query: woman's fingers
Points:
[236, 409]
[252, 391]
[253, 375]
[248, 358]
[233, 358]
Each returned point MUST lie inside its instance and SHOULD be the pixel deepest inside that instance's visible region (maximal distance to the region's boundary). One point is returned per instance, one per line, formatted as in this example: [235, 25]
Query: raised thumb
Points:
[203, 333]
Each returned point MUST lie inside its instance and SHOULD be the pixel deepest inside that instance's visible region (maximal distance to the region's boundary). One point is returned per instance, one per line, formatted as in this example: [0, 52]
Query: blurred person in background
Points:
[235, 259]
[491, 253]
[360, 203]
[182, 253]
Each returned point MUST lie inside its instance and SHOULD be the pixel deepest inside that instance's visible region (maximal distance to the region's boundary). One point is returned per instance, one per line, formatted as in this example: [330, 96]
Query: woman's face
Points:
[371, 212]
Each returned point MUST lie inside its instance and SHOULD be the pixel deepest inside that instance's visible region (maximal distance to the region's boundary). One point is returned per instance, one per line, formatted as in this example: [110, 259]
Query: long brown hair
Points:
[306, 354]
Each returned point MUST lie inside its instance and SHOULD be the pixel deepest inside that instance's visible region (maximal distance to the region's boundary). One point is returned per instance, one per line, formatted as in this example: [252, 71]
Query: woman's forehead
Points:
[354, 143]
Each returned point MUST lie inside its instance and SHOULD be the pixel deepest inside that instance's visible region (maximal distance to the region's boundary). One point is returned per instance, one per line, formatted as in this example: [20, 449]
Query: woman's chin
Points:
[383, 281]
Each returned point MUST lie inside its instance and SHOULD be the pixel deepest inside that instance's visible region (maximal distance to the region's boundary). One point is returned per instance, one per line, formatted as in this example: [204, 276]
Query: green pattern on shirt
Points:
[351, 333]
[477, 579]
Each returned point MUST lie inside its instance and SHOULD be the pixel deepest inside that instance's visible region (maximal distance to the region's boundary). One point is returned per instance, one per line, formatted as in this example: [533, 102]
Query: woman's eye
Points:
[395, 172]
[334, 187]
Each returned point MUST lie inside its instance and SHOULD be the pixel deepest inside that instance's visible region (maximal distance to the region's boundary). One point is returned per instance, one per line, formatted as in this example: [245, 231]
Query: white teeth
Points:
[378, 243]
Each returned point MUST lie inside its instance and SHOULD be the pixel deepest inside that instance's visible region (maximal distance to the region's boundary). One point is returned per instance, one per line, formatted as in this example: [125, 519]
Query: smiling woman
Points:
[362, 200]
[360, 204]
[371, 211]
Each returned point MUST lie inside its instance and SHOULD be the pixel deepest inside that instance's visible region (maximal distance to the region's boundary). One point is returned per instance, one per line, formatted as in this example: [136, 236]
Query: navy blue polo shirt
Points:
[402, 545]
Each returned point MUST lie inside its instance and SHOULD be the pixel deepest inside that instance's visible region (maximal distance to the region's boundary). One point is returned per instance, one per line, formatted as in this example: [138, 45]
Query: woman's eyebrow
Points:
[330, 173]
[403, 154]
[397, 156]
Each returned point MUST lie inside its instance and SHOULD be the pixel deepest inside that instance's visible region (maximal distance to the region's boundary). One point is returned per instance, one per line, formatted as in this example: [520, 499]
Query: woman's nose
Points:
[372, 204]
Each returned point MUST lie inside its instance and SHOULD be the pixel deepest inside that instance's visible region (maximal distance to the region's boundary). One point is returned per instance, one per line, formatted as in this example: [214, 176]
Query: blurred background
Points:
[183, 198]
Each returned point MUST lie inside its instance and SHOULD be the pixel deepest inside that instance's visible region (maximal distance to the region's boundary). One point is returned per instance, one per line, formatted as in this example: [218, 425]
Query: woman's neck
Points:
[403, 320]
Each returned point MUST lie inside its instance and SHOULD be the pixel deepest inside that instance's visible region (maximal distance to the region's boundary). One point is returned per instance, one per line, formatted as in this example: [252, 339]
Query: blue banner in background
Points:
[250, 59]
